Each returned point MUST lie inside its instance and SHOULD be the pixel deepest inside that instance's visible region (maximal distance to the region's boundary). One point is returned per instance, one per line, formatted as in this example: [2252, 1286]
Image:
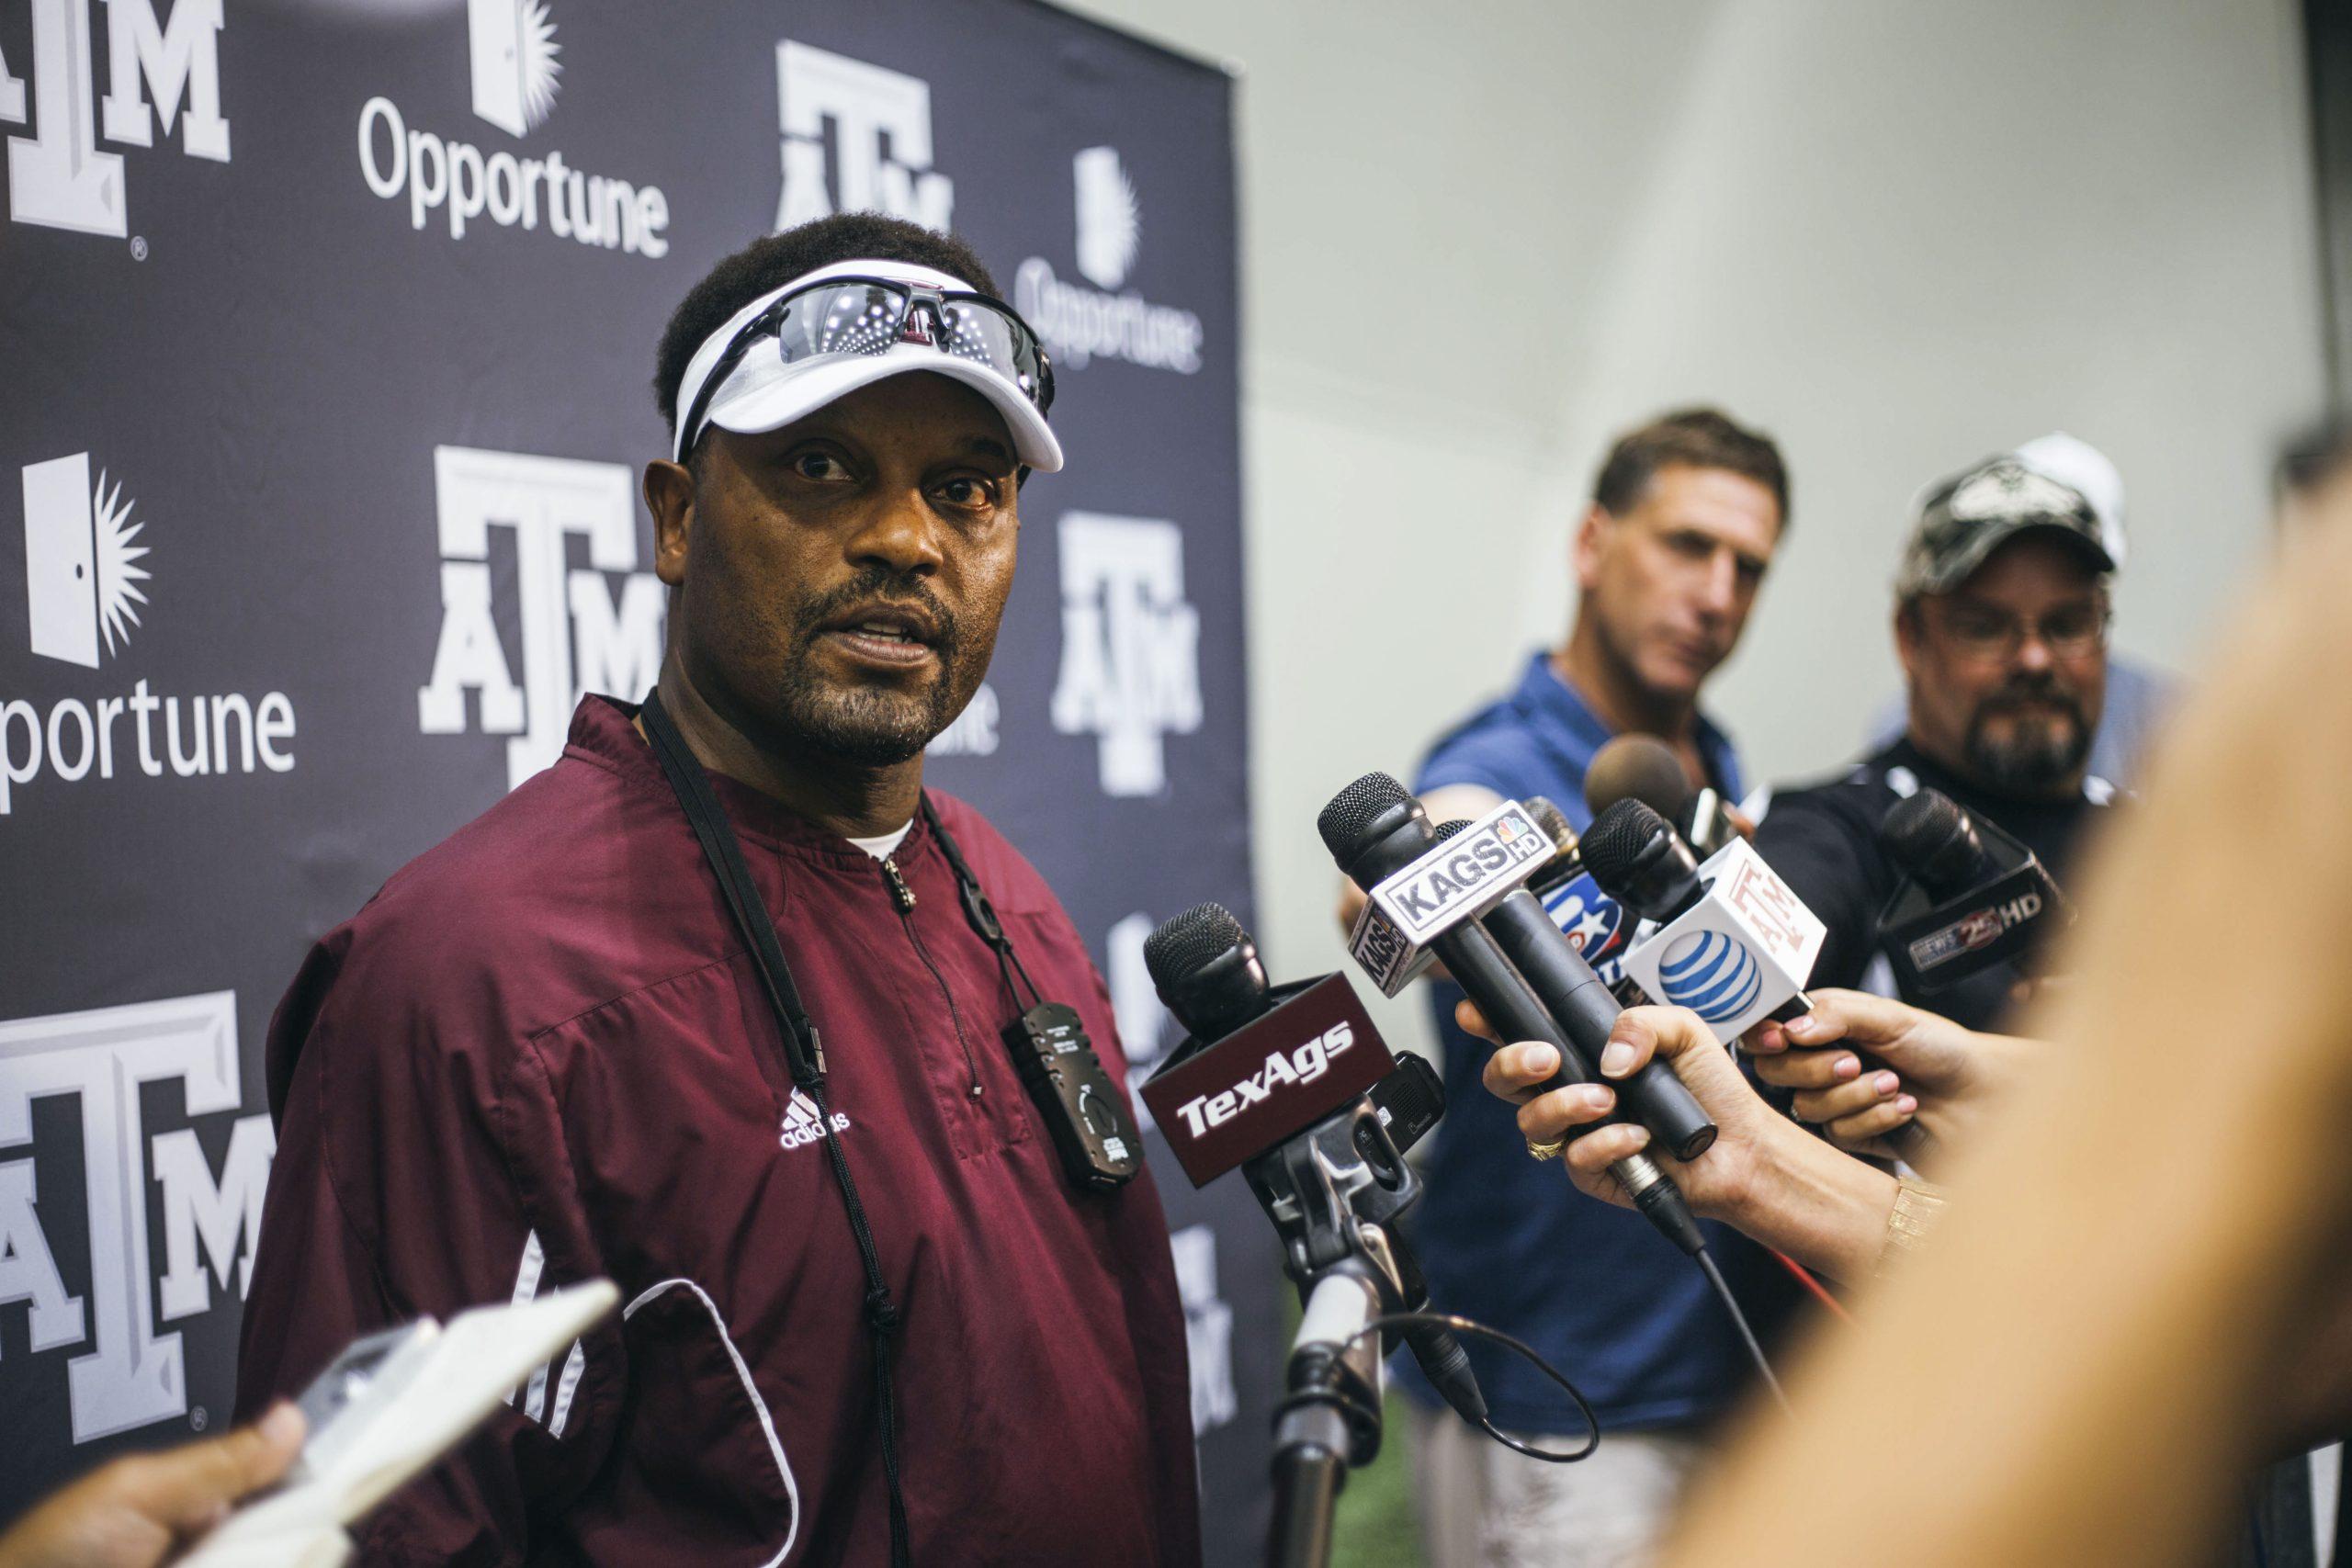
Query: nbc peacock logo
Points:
[1713, 974]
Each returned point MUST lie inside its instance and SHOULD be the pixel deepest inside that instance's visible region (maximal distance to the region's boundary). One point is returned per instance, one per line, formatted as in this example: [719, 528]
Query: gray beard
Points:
[2037, 763]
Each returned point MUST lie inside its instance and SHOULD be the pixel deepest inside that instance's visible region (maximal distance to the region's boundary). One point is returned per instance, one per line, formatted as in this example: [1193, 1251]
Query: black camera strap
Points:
[804, 1054]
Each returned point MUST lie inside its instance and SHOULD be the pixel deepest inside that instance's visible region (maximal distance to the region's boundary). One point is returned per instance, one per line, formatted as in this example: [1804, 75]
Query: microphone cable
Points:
[1460, 1325]
[1706, 1262]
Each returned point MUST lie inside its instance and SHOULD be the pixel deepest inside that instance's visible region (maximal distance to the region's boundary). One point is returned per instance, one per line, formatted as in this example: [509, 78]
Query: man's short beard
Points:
[868, 728]
[864, 725]
[2040, 754]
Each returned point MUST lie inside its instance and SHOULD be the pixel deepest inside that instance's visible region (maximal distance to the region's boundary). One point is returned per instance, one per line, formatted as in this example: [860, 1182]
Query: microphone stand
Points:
[1333, 1191]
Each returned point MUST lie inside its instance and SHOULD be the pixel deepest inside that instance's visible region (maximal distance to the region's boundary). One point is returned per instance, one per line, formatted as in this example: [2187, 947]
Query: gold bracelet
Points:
[1918, 1209]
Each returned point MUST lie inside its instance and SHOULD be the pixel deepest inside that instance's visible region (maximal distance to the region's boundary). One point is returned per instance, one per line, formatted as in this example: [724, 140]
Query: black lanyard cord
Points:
[804, 1054]
[981, 914]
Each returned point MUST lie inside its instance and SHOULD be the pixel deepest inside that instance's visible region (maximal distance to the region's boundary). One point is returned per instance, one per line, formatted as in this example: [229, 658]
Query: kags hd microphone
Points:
[1427, 898]
[1972, 897]
[1732, 943]
[1293, 1085]
[1582, 1003]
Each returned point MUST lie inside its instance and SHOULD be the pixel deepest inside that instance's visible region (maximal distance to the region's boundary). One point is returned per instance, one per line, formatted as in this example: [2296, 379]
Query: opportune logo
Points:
[84, 547]
[881, 146]
[1080, 323]
[576, 637]
[1109, 226]
[802, 1124]
[514, 63]
[57, 176]
[123, 1372]
[1131, 660]
[1713, 974]
[514, 86]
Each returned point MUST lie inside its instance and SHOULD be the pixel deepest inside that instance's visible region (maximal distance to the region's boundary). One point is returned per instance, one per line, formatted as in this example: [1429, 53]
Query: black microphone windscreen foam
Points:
[1186, 943]
[1343, 821]
[1448, 829]
[1616, 840]
[1931, 837]
[1637, 767]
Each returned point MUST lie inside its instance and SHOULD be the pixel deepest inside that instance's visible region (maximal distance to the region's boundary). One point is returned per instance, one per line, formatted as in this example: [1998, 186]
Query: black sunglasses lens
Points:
[854, 319]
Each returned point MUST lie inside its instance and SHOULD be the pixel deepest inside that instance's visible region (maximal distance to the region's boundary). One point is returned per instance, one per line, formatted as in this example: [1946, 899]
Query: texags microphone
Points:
[1274, 1079]
[1972, 897]
[1381, 838]
[1732, 943]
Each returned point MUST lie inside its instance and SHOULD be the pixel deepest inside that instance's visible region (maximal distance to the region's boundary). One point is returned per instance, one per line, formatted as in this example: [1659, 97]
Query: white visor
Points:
[762, 393]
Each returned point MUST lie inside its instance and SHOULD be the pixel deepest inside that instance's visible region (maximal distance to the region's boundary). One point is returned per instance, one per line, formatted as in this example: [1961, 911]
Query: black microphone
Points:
[1584, 1005]
[1716, 967]
[1973, 897]
[1207, 972]
[1643, 768]
[1374, 829]
[1636, 767]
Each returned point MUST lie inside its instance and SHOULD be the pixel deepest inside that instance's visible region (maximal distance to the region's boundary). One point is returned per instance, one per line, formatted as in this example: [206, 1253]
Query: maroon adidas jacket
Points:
[536, 1056]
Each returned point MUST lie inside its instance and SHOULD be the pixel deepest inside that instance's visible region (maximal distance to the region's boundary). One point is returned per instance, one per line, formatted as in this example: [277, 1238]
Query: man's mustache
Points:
[876, 586]
[2035, 693]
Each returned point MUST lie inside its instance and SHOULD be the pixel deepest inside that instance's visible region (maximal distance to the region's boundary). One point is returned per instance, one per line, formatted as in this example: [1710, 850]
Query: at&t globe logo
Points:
[1712, 975]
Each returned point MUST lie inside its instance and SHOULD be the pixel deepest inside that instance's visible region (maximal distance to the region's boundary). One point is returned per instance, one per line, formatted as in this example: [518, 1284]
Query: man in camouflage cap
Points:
[2001, 617]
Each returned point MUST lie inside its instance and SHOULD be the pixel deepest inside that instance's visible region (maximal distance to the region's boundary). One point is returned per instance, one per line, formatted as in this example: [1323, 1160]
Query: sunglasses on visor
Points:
[873, 315]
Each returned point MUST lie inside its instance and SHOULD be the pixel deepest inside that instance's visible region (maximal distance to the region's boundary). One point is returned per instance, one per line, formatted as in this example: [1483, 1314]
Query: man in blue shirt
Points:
[1685, 515]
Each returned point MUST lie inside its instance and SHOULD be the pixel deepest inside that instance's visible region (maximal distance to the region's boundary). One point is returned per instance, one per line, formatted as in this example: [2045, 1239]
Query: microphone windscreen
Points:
[1343, 821]
[1932, 838]
[1448, 829]
[1616, 840]
[1184, 944]
[1637, 767]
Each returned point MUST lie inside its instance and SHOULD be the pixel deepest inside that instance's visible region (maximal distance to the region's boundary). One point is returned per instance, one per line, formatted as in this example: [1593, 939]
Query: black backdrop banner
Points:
[328, 327]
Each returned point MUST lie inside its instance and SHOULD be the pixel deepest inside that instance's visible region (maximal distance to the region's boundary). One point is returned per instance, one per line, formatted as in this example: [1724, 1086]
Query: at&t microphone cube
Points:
[1738, 954]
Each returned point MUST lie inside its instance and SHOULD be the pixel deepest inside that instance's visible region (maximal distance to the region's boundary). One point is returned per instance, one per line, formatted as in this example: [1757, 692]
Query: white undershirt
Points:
[882, 844]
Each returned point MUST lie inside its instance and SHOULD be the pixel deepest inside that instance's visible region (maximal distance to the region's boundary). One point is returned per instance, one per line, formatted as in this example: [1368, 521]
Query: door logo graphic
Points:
[515, 68]
[82, 555]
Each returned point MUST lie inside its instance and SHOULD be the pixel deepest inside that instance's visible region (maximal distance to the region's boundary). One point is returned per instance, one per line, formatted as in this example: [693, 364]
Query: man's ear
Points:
[1592, 543]
[1909, 646]
[669, 490]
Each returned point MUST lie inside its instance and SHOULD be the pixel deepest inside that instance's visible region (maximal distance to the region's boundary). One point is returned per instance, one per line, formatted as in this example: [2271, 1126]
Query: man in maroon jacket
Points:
[544, 1053]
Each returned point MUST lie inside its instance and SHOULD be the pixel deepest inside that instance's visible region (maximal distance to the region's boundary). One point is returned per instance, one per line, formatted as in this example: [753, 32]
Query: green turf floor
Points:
[1377, 1527]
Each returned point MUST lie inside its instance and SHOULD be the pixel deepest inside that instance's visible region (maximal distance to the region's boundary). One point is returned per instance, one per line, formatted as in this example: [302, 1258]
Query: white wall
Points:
[1897, 236]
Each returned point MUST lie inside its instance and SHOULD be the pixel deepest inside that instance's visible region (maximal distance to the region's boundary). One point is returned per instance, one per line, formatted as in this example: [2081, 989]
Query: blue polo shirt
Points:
[1510, 1242]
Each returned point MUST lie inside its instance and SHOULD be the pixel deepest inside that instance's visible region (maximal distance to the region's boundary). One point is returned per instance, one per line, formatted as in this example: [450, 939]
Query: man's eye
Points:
[819, 465]
[968, 492]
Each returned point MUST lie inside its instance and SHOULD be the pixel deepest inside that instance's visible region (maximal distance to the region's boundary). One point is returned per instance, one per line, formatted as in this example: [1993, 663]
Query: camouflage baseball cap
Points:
[1960, 520]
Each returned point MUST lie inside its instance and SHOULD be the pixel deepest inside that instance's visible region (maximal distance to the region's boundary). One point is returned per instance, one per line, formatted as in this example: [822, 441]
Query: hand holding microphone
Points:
[1764, 1177]
[1381, 838]
[1948, 1079]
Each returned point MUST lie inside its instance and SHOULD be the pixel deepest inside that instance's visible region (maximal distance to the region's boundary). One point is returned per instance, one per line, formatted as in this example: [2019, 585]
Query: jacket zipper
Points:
[904, 897]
